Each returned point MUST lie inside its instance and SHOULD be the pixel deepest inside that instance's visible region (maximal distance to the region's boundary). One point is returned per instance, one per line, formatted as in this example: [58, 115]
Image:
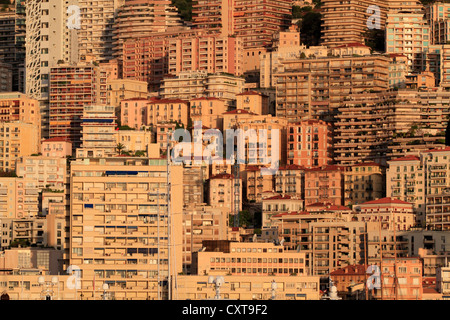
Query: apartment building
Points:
[253, 101]
[208, 111]
[201, 222]
[98, 129]
[6, 77]
[290, 226]
[358, 131]
[348, 276]
[442, 281]
[17, 139]
[49, 43]
[36, 284]
[279, 287]
[347, 22]
[122, 89]
[436, 15]
[324, 184]
[96, 36]
[56, 147]
[257, 183]
[135, 141]
[194, 178]
[16, 106]
[289, 180]
[53, 201]
[263, 137]
[421, 180]
[366, 123]
[309, 143]
[431, 246]
[11, 50]
[162, 131]
[442, 72]
[418, 134]
[285, 44]
[167, 110]
[19, 198]
[401, 279]
[56, 225]
[47, 172]
[121, 219]
[252, 21]
[225, 191]
[146, 58]
[205, 52]
[133, 112]
[331, 245]
[408, 33]
[364, 182]
[140, 18]
[398, 71]
[391, 214]
[405, 180]
[32, 258]
[241, 258]
[71, 88]
[188, 85]
[276, 205]
[313, 88]
[436, 167]
[286, 47]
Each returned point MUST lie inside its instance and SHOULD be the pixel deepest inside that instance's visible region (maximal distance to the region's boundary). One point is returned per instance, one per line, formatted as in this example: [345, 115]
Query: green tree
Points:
[184, 9]
[375, 39]
[310, 28]
[140, 153]
[120, 147]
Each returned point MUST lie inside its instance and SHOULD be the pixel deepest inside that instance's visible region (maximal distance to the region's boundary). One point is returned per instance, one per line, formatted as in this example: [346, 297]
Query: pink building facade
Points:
[133, 112]
[309, 143]
[324, 185]
[56, 147]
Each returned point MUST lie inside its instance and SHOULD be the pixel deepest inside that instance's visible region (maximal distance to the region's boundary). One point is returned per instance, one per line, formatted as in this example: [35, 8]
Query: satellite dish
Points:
[210, 279]
[274, 285]
[220, 281]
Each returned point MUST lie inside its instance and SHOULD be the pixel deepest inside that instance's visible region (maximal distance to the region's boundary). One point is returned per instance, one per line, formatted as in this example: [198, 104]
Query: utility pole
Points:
[365, 262]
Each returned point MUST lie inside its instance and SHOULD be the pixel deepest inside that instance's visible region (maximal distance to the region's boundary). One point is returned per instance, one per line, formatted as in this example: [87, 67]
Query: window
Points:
[402, 270]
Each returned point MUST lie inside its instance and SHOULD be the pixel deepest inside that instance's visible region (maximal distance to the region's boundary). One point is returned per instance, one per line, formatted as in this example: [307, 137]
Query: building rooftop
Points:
[387, 200]
[367, 164]
[291, 167]
[279, 197]
[407, 158]
[445, 149]
[326, 168]
[251, 93]
[352, 44]
[155, 101]
[239, 111]
[56, 139]
[204, 98]
[222, 176]
[350, 270]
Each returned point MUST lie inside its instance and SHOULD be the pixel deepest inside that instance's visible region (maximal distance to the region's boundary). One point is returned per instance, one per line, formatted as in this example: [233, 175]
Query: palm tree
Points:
[120, 147]
[140, 153]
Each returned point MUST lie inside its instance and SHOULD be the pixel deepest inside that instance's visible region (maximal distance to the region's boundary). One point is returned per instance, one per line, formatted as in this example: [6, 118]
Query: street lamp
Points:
[218, 282]
[47, 286]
